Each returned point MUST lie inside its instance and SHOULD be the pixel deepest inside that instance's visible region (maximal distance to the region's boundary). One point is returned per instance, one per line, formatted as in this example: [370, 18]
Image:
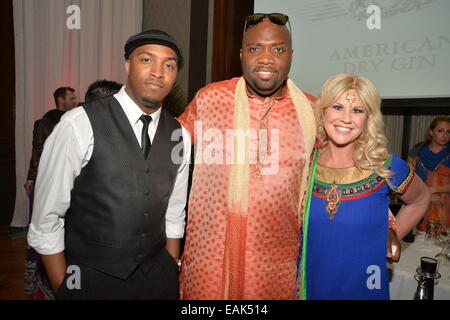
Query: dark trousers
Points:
[160, 283]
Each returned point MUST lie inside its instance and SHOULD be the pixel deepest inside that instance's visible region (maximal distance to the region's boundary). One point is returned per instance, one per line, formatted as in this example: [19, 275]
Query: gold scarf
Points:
[235, 242]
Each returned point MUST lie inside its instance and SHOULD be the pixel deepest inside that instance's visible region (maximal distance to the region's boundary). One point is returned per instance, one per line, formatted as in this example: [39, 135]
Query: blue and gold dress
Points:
[347, 228]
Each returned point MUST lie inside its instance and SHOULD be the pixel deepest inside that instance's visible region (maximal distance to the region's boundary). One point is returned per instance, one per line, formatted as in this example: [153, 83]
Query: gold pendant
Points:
[333, 200]
[256, 172]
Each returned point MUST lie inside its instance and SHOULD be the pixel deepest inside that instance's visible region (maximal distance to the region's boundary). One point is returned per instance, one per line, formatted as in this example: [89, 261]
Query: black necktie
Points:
[145, 139]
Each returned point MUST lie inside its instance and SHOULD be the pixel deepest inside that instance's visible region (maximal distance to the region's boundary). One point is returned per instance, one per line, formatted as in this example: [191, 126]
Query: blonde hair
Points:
[370, 151]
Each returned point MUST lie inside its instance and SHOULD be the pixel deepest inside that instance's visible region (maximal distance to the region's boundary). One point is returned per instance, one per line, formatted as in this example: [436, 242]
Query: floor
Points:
[12, 265]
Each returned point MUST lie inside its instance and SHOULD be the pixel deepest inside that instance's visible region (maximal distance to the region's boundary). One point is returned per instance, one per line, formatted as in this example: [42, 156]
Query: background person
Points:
[431, 159]
[101, 89]
[65, 100]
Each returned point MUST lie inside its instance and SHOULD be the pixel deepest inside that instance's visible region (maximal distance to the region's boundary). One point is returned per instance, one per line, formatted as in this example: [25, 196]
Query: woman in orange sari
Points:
[431, 159]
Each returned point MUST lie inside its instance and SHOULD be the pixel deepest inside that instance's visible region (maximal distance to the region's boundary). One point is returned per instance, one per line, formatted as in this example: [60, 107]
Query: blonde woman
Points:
[346, 226]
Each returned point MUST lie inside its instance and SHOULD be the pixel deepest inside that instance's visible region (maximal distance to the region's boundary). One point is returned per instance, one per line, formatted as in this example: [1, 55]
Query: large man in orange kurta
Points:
[244, 210]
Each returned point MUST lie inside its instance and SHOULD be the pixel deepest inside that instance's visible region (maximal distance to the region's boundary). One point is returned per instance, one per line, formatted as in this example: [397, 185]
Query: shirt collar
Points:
[131, 109]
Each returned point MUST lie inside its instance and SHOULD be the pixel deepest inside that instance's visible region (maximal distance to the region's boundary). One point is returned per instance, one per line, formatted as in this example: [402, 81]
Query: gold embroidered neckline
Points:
[341, 175]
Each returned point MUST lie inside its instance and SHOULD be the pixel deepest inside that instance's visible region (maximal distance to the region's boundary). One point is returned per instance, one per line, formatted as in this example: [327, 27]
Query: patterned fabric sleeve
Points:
[188, 118]
[403, 175]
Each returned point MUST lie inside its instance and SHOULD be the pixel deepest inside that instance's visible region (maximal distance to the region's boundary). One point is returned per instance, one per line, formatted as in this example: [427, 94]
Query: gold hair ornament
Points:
[351, 97]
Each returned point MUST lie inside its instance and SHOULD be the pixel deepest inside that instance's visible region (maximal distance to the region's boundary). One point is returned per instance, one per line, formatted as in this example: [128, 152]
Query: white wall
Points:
[408, 57]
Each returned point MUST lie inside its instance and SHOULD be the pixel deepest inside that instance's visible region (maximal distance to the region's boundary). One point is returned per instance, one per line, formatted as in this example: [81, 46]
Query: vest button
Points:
[147, 193]
[146, 214]
[147, 171]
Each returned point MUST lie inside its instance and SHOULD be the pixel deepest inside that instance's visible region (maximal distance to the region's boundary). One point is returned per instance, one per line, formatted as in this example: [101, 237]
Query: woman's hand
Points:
[394, 247]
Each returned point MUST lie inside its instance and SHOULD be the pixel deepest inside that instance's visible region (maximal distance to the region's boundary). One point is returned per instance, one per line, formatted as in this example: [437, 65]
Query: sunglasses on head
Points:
[276, 18]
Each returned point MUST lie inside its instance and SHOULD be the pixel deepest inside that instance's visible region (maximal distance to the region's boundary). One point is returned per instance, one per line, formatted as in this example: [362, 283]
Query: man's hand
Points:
[28, 187]
[173, 247]
[393, 247]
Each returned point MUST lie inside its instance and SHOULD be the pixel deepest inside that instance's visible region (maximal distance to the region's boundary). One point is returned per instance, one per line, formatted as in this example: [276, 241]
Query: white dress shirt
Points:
[67, 150]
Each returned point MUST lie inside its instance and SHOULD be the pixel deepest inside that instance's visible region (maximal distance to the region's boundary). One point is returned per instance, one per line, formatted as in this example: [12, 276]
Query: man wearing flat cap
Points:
[111, 193]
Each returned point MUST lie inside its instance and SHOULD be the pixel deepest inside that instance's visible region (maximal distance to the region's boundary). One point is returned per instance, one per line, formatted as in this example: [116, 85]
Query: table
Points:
[402, 284]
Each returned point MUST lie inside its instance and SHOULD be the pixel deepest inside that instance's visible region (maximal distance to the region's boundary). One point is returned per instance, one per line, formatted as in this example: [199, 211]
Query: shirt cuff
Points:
[175, 230]
[46, 243]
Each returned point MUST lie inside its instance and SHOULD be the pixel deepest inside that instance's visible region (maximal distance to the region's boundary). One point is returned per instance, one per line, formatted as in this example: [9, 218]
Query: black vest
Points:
[116, 218]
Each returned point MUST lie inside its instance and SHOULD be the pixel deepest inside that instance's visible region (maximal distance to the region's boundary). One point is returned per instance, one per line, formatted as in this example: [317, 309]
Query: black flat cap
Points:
[153, 37]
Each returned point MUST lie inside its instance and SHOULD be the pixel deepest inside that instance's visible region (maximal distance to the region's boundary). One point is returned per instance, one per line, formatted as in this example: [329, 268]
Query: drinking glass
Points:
[432, 231]
[443, 240]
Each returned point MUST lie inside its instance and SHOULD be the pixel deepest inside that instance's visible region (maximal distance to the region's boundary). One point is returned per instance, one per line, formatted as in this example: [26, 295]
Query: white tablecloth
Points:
[403, 285]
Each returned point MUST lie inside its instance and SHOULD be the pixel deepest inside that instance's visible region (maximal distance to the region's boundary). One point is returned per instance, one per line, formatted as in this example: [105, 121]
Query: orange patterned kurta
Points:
[438, 212]
[270, 242]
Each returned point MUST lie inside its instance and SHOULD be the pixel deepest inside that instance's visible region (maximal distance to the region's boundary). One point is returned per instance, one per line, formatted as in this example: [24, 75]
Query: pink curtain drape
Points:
[49, 55]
